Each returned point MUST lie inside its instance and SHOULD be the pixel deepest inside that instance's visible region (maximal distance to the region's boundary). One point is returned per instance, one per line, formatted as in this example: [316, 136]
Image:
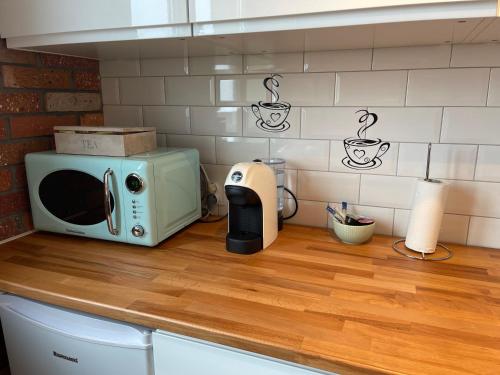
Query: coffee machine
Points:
[252, 218]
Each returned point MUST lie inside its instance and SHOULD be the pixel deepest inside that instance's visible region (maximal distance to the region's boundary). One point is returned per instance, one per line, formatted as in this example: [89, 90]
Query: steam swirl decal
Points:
[275, 96]
[271, 116]
[363, 119]
[363, 152]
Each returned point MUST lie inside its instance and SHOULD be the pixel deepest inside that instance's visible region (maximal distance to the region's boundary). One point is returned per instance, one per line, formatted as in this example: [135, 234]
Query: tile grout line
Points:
[451, 55]
[393, 221]
[441, 124]
[468, 230]
[475, 163]
[488, 88]
[407, 88]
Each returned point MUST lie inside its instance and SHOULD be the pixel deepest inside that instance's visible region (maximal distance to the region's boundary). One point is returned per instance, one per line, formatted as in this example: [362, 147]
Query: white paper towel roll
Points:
[426, 215]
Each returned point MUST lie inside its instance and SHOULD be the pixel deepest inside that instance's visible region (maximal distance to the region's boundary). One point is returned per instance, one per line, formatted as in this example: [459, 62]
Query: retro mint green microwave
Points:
[140, 199]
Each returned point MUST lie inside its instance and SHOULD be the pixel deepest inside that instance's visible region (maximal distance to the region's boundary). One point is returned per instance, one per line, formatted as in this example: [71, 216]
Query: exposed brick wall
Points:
[37, 92]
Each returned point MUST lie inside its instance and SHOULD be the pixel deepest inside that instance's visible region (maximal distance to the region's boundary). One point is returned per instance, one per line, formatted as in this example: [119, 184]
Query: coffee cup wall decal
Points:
[363, 152]
[271, 116]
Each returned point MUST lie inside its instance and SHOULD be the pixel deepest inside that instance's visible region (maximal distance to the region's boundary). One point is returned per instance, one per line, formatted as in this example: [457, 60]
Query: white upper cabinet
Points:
[133, 29]
[45, 22]
[211, 17]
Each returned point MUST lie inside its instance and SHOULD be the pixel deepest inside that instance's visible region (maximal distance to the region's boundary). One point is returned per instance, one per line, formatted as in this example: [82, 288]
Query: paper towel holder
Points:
[411, 253]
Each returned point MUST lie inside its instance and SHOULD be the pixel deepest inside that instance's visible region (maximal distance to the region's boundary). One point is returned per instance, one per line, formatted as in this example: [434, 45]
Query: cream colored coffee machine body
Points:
[252, 217]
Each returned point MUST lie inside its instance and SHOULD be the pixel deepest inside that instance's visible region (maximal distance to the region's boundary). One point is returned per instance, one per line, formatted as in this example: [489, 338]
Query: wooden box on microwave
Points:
[107, 141]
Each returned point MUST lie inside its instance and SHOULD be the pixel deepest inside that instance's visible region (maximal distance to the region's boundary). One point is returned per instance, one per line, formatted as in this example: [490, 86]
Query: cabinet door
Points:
[178, 355]
[225, 10]
[38, 17]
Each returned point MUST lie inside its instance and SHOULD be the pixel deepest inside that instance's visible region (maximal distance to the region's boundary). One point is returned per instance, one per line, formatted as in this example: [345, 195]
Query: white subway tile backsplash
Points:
[122, 116]
[207, 65]
[339, 162]
[328, 186]
[168, 119]
[232, 150]
[119, 68]
[338, 61]
[447, 161]
[250, 128]
[453, 227]
[474, 198]
[484, 231]
[301, 154]
[412, 159]
[199, 90]
[240, 90]
[475, 55]
[313, 89]
[453, 161]
[488, 164]
[494, 89]
[385, 88]
[411, 57]
[216, 121]
[142, 90]
[274, 63]
[110, 90]
[204, 144]
[387, 191]
[471, 125]
[447, 95]
[448, 87]
[407, 124]
[329, 122]
[310, 213]
[177, 66]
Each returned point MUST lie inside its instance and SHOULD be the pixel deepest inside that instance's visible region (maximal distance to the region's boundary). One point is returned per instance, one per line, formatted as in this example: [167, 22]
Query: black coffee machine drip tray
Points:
[243, 242]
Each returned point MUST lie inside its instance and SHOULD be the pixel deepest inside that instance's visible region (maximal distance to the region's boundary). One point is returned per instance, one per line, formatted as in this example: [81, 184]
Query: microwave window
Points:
[74, 197]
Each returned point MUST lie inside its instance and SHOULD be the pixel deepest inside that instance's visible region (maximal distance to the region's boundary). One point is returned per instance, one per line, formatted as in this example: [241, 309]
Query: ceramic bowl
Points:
[352, 234]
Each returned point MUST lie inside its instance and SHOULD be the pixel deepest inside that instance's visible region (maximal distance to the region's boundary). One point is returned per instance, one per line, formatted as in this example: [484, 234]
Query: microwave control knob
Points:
[138, 231]
[134, 183]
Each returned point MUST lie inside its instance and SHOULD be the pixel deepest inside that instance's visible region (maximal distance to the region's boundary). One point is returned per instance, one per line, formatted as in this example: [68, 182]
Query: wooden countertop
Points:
[307, 299]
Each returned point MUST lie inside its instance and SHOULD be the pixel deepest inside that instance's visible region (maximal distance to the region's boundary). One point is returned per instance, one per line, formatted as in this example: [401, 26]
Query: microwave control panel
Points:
[139, 206]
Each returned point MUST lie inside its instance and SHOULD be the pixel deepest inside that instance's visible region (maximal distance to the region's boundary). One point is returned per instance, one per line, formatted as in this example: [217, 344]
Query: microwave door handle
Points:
[107, 202]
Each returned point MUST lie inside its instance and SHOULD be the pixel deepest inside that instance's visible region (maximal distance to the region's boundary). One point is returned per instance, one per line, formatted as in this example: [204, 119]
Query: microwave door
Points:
[85, 198]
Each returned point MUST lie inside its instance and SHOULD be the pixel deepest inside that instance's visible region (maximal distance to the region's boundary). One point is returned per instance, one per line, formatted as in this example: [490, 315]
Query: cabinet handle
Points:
[107, 202]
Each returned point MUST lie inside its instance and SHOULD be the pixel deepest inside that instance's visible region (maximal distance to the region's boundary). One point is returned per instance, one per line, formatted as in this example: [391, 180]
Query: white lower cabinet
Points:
[180, 355]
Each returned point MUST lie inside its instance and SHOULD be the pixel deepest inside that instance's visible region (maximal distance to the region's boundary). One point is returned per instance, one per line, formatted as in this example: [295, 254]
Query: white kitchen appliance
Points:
[140, 199]
[252, 218]
[44, 340]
